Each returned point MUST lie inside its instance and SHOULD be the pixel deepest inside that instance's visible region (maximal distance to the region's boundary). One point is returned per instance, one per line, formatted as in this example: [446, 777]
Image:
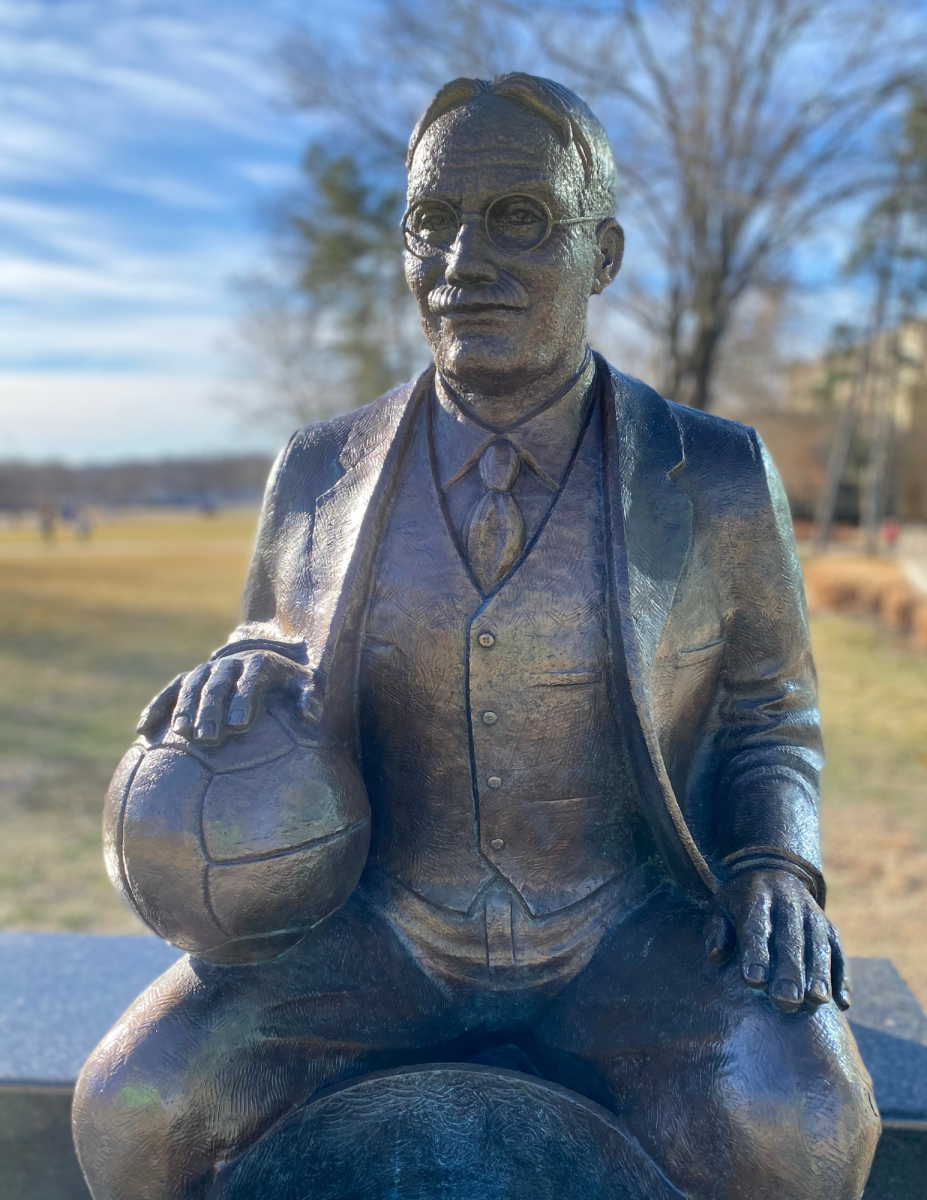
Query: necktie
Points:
[495, 533]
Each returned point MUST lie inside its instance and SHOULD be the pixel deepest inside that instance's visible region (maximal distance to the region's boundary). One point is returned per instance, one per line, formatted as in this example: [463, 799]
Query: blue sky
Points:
[139, 142]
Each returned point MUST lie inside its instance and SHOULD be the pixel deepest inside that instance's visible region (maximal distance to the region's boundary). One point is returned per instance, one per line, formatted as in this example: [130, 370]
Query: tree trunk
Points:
[695, 371]
[873, 505]
[843, 440]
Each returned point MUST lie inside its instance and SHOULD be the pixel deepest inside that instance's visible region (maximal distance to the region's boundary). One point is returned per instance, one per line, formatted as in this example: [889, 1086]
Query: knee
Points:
[183, 1083]
[137, 1114]
[801, 1115]
[126, 1119]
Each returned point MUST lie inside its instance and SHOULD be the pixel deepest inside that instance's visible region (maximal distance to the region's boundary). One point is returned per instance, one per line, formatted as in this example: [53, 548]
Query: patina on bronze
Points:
[558, 622]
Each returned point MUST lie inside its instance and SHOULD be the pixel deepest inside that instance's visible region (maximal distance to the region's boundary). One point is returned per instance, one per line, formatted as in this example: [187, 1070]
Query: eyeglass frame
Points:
[552, 222]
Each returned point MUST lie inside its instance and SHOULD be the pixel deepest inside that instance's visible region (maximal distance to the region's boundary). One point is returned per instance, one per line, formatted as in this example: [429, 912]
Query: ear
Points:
[610, 239]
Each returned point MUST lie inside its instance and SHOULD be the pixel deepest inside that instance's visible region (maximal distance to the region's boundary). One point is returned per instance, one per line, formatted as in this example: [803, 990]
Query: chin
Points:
[478, 355]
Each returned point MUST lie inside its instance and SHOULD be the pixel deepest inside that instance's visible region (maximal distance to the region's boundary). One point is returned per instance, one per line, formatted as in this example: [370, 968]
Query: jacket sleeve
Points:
[278, 590]
[768, 749]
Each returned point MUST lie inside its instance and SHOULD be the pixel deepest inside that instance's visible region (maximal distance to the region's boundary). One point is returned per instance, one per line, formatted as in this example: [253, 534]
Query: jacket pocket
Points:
[699, 654]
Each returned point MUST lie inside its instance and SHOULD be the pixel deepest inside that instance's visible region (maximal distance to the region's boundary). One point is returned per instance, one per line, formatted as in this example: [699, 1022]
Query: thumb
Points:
[309, 701]
[720, 936]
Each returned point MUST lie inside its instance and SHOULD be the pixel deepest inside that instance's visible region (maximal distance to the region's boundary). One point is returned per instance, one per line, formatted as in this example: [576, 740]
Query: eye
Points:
[519, 218]
[517, 223]
[432, 220]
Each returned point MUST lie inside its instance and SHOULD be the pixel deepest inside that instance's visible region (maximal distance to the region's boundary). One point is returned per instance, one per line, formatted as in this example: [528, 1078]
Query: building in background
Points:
[872, 392]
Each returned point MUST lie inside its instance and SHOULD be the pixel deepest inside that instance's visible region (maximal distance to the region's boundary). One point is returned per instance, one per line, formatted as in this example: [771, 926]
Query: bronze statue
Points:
[558, 623]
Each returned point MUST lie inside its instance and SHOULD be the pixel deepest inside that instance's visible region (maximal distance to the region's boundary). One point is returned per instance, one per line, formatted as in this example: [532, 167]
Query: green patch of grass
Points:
[874, 711]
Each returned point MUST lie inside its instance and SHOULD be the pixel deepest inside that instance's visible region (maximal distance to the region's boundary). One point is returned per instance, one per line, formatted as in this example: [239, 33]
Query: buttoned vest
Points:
[489, 743]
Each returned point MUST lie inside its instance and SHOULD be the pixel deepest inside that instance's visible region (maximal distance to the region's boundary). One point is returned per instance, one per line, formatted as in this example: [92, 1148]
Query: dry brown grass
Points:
[919, 626]
[852, 582]
[874, 804]
[88, 633]
[874, 709]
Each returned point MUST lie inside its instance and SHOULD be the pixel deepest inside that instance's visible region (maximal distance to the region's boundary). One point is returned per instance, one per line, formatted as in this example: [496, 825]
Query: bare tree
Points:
[739, 126]
[891, 252]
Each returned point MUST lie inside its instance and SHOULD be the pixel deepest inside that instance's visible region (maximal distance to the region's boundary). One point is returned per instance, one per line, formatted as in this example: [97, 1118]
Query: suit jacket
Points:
[712, 667]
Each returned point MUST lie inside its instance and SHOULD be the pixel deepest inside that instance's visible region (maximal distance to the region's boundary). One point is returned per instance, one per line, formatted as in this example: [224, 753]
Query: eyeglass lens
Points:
[513, 223]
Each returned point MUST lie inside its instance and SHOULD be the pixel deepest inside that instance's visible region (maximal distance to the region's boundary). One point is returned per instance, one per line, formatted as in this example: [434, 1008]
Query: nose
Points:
[470, 258]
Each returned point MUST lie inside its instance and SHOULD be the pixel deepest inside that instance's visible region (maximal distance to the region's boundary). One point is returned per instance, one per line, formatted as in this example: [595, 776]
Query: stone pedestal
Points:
[891, 1031]
[59, 995]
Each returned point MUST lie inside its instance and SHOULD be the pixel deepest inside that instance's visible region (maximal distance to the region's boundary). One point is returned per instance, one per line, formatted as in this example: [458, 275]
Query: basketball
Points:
[233, 852]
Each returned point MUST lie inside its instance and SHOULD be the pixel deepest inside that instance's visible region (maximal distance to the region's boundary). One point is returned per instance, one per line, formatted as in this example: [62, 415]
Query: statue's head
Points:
[509, 228]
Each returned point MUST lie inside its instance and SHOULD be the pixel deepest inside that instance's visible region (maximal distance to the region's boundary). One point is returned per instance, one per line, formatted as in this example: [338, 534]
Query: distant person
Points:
[891, 531]
[47, 523]
[83, 526]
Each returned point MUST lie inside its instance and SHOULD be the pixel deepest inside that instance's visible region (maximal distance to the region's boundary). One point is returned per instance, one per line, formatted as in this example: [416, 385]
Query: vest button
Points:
[497, 844]
[494, 781]
[489, 718]
[486, 640]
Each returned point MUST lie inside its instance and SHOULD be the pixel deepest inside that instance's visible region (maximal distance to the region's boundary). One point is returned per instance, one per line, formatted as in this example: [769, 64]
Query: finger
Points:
[787, 989]
[309, 702]
[753, 936]
[840, 984]
[188, 700]
[256, 676]
[210, 717]
[161, 707]
[817, 946]
[720, 937]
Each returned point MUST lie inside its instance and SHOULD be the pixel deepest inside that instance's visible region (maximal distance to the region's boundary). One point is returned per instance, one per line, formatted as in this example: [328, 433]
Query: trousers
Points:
[733, 1099]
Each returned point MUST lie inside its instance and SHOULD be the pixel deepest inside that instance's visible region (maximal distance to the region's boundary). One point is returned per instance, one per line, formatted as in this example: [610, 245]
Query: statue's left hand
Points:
[786, 945]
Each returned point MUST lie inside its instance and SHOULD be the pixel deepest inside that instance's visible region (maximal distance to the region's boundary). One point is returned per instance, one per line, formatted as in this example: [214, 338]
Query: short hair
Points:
[571, 117]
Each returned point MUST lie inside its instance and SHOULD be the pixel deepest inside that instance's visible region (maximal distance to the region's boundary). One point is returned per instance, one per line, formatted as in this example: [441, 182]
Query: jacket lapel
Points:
[650, 521]
[656, 514]
[346, 515]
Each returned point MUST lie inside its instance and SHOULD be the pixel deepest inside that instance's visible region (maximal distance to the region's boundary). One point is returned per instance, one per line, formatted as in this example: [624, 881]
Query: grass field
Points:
[89, 632]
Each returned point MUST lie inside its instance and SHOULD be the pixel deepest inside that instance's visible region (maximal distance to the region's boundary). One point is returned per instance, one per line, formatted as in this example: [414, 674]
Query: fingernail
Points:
[207, 729]
[238, 716]
[754, 972]
[179, 724]
[785, 989]
[819, 989]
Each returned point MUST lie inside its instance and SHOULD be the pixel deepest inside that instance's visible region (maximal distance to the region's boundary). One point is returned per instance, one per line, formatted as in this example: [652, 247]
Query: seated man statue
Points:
[558, 622]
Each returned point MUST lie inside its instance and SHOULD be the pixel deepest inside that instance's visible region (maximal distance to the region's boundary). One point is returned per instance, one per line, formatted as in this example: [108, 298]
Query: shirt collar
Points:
[549, 437]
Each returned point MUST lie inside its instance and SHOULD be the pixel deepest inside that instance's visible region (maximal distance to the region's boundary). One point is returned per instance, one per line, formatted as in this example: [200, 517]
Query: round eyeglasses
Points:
[514, 224]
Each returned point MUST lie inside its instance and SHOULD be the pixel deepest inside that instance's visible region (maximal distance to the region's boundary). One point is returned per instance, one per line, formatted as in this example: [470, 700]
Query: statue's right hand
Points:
[221, 697]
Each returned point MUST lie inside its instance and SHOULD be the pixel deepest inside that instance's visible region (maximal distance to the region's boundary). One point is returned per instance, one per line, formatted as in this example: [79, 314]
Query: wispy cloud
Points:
[139, 141]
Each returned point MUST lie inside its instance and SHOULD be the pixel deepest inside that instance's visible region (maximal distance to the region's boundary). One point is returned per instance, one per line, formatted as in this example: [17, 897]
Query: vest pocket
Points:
[563, 678]
[567, 801]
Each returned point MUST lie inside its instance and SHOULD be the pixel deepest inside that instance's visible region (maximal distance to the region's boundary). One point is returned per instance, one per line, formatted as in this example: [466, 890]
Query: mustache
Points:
[503, 293]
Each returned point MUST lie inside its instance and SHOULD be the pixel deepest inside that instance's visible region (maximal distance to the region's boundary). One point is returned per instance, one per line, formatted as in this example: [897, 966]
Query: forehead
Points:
[490, 145]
